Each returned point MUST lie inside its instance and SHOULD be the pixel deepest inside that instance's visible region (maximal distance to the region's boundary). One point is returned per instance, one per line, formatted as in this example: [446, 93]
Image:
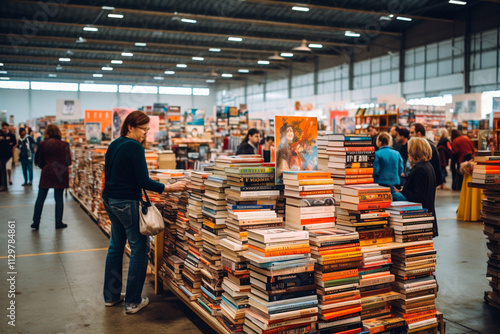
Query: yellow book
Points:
[375, 241]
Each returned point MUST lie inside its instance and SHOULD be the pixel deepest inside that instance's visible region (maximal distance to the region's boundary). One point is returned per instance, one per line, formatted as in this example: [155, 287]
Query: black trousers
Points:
[3, 174]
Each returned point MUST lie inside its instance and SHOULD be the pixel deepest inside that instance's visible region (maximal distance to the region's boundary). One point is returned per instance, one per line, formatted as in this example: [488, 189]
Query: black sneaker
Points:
[61, 225]
[24, 184]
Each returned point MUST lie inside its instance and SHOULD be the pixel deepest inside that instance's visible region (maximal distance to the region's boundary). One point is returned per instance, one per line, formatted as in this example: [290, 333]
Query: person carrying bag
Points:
[126, 177]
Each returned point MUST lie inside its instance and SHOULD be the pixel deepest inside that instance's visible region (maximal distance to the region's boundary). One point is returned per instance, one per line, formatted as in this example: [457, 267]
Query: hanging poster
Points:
[119, 115]
[104, 117]
[296, 144]
[93, 134]
[67, 110]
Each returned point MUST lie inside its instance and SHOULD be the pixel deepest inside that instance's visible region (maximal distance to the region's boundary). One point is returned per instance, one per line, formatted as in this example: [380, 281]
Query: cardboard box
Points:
[166, 160]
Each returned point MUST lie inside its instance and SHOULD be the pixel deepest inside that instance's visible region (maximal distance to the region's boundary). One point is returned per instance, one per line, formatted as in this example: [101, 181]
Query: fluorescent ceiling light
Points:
[97, 75]
[235, 39]
[242, 70]
[456, 2]
[6, 78]
[159, 78]
[169, 72]
[1, 64]
[300, 9]
[127, 54]
[286, 54]
[181, 65]
[114, 61]
[59, 67]
[210, 81]
[64, 59]
[352, 34]
[90, 28]
[315, 46]
[140, 44]
[3, 72]
[198, 58]
[263, 62]
[115, 16]
[107, 8]
[227, 75]
[52, 75]
[107, 68]
[404, 18]
[214, 50]
[81, 40]
[188, 21]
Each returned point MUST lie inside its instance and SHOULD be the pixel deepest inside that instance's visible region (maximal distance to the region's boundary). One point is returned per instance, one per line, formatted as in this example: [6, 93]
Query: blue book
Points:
[292, 307]
[208, 293]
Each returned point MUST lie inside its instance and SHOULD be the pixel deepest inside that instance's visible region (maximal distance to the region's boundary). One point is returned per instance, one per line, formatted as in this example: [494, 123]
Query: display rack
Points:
[381, 122]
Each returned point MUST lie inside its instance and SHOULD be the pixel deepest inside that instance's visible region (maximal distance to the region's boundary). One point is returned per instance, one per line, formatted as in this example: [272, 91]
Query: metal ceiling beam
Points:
[162, 65]
[227, 19]
[52, 39]
[118, 54]
[203, 34]
[107, 76]
[347, 10]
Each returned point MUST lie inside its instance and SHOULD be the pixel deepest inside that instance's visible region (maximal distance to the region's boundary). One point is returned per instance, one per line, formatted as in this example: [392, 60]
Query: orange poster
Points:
[296, 148]
[103, 117]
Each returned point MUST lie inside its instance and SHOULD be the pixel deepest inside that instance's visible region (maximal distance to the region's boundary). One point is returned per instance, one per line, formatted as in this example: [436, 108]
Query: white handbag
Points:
[150, 218]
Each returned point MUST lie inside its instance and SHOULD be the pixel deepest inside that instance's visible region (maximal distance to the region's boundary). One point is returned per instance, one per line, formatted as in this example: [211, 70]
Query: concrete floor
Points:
[61, 293]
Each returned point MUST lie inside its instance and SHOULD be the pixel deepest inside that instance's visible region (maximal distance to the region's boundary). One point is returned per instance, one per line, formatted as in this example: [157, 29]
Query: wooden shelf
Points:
[87, 209]
[196, 308]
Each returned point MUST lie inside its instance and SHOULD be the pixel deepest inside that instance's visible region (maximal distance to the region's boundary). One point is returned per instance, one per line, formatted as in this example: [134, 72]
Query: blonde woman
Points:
[420, 186]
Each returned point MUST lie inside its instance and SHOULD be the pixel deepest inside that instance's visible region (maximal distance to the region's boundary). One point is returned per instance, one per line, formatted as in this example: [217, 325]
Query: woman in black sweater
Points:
[126, 174]
[420, 186]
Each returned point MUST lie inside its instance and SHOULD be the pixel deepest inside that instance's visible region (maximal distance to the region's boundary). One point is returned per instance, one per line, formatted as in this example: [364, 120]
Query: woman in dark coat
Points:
[53, 157]
[420, 186]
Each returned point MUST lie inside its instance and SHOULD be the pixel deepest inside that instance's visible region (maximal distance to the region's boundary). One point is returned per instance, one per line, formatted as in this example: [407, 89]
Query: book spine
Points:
[359, 181]
[251, 170]
[357, 171]
[281, 253]
[264, 193]
[310, 176]
[257, 188]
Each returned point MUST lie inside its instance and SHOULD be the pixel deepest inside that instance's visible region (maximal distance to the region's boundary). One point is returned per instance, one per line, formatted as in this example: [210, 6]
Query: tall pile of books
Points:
[171, 269]
[489, 215]
[413, 268]
[309, 200]
[182, 220]
[338, 256]
[282, 294]
[410, 221]
[350, 160]
[362, 210]
[251, 203]
[214, 216]
[322, 144]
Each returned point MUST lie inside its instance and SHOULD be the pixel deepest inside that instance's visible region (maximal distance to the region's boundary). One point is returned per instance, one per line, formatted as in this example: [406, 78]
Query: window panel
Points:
[57, 86]
[201, 91]
[134, 89]
[458, 65]
[376, 65]
[409, 73]
[432, 52]
[444, 67]
[100, 88]
[444, 49]
[431, 70]
[420, 55]
[376, 79]
[419, 72]
[410, 57]
[385, 77]
[15, 84]
[489, 59]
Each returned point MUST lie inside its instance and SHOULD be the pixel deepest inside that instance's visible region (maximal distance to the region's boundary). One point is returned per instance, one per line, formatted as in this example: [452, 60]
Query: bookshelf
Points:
[496, 130]
[381, 122]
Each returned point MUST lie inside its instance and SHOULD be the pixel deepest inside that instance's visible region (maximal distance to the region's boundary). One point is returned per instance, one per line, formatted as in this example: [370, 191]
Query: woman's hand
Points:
[177, 186]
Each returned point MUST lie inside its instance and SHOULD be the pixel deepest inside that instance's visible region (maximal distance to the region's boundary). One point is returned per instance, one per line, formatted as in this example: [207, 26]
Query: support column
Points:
[290, 73]
[351, 72]
[467, 53]
[316, 71]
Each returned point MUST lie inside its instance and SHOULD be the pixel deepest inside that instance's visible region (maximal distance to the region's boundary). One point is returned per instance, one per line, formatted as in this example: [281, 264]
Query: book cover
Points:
[296, 147]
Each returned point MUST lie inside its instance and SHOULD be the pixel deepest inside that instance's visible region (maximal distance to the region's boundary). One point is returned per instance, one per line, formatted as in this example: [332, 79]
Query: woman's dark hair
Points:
[455, 134]
[384, 138]
[134, 119]
[52, 131]
[250, 132]
[21, 130]
[5, 124]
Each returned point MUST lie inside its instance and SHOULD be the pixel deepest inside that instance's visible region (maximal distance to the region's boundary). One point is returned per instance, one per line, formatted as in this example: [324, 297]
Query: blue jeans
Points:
[124, 216]
[27, 165]
[42, 195]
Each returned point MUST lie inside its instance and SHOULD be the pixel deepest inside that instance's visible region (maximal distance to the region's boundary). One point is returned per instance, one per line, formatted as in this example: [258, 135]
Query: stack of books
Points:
[182, 221]
[375, 278]
[350, 159]
[410, 221]
[251, 203]
[338, 257]
[490, 216]
[171, 270]
[282, 294]
[413, 268]
[309, 200]
[486, 170]
[362, 210]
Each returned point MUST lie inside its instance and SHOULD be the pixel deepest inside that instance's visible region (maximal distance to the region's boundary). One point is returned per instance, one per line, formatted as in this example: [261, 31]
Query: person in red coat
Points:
[54, 158]
[463, 150]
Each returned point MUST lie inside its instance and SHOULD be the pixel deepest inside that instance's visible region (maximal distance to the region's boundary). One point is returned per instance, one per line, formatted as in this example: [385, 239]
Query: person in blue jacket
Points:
[388, 165]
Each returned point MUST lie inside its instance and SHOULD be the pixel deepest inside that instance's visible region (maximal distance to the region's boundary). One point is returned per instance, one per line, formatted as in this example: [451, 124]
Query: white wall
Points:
[30, 104]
